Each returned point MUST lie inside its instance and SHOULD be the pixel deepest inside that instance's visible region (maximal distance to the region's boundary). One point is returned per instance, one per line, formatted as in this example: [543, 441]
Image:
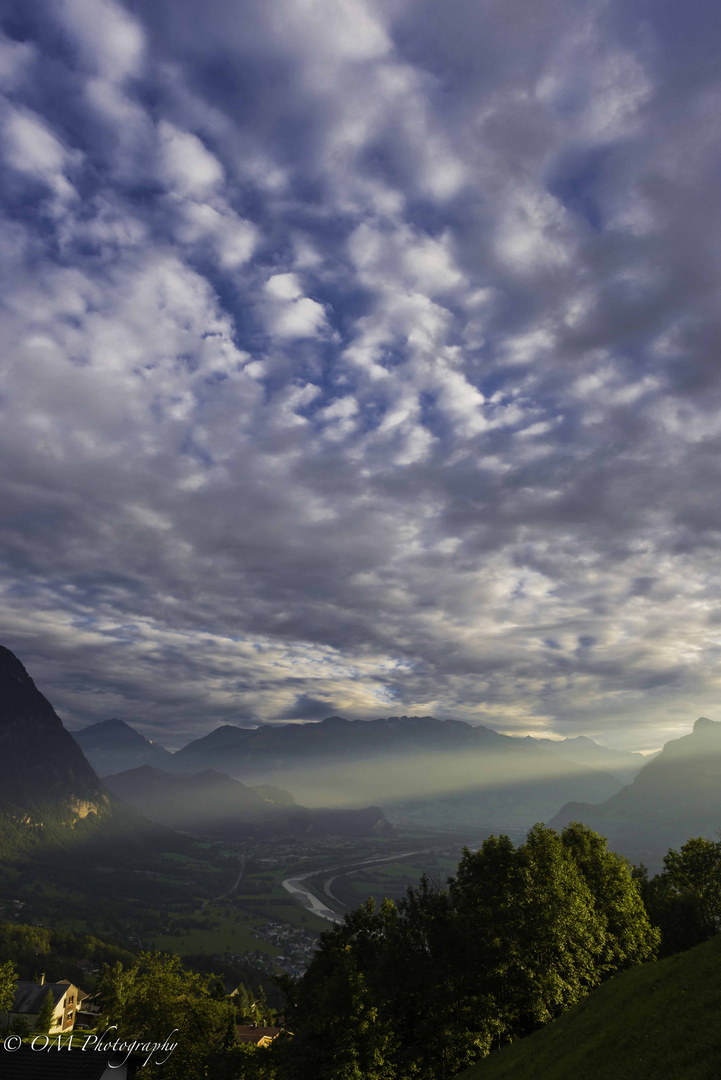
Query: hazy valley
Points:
[237, 851]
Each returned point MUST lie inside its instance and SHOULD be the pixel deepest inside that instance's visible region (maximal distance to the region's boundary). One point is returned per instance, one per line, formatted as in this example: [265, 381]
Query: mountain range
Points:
[50, 793]
[421, 770]
[623, 764]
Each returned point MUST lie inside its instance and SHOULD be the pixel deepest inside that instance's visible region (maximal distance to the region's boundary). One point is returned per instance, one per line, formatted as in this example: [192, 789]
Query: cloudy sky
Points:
[362, 356]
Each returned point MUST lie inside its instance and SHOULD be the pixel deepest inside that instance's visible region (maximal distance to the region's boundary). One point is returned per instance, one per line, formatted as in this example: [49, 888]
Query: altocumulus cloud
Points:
[362, 357]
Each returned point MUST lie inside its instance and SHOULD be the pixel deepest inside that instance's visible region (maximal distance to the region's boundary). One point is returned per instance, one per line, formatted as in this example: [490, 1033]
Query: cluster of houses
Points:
[298, 946]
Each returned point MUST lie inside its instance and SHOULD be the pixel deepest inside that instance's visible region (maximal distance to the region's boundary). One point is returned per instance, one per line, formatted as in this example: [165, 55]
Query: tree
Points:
[340, 1032]
[47, 1012]
[8, 986]
[684, 900]
[252, 1006]
[157, 996]
[695, 870]
[531, 937]
[629, 937]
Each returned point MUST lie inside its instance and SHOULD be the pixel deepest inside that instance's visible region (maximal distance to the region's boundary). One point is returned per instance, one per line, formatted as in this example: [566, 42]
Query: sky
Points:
[362, 357]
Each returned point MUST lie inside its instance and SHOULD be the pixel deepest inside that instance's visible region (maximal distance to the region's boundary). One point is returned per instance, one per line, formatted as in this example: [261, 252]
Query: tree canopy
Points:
[8, 985]
[684, 900]
[424, 987]
[155, 997]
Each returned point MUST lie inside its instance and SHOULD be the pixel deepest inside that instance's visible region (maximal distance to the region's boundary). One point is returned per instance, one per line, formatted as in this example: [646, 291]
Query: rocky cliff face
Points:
[43, 773]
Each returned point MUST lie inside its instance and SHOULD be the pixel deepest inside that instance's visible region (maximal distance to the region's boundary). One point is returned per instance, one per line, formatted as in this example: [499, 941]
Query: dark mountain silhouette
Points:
[674, 797]
[212, 804]
[113, 746]
[46, 784]
[419, 769]
[53, 807]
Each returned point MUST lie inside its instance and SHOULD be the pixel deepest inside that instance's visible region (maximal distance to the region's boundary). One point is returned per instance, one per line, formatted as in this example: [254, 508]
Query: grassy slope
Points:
[659, 1021]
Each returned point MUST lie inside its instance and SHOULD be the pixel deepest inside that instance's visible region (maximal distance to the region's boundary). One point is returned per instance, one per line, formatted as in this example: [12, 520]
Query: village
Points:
[298, 947]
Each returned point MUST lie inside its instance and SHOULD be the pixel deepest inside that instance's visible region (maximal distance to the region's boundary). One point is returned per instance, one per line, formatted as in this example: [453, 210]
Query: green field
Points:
[658, 1021]
[178, 857]
[262, 894]
[220, 937]
[391, 879]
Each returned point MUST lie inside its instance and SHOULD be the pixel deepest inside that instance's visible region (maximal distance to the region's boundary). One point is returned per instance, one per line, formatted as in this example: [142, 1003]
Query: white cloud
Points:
[234, 239]
[112, 42]
[15, 60]
[283, 287]
[289, 314]
[333, 30]
[31, 147]
[532, 232]
[186, 166]
[301, 318]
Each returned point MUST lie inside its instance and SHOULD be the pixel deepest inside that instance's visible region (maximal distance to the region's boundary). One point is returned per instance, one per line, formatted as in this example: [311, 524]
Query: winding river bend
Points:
[303, 895]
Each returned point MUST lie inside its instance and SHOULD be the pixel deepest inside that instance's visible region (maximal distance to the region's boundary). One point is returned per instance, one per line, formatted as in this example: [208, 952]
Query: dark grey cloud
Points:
[362, 358]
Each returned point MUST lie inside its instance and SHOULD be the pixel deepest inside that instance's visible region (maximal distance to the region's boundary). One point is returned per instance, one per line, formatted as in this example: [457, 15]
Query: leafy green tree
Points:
[340, 1033]
[8, 985]
[252, 1006]
[45, 1017]
[20, 936]
[695, 870]
[532, 939]
[115, 988]
[618, 905]
[156, 997]
[684, 900]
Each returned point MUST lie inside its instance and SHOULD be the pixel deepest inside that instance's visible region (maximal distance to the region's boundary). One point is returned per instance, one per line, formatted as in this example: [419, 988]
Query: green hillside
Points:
[658, 1021]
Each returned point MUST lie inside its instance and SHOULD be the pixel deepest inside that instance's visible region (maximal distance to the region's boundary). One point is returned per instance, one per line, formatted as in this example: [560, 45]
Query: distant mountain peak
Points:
[114, 746]
[703, 724]
[112, 732]
[113, 728]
